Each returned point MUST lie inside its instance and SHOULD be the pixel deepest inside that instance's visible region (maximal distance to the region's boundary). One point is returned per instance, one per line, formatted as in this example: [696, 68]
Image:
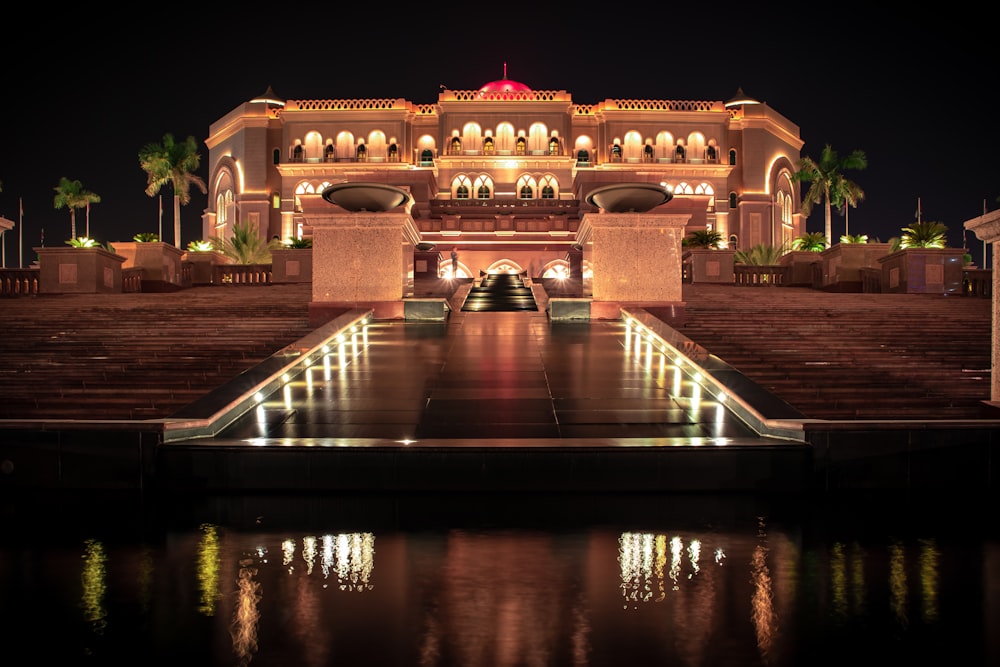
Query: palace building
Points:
[502, 173]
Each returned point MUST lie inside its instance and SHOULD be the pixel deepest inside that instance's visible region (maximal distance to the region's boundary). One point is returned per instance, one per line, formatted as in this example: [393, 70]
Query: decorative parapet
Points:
[664, 105]
[382, 104]
[504, 96]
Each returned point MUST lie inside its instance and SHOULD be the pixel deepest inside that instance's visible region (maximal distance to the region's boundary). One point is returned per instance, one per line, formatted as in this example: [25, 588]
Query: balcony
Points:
[490, 207]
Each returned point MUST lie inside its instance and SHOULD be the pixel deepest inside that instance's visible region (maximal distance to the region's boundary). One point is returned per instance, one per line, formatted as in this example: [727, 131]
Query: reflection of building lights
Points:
[762, 613]
[642, 558]
[246, 615]
[929, 557]
[288, 554]
[897, 584]
[208, 569]
[94, 584]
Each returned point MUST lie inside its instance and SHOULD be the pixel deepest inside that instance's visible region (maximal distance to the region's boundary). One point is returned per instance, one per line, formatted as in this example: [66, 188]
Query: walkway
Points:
[487, 401]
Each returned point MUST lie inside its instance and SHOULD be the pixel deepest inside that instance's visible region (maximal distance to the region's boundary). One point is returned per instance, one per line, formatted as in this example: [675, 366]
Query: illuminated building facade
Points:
[503, 172]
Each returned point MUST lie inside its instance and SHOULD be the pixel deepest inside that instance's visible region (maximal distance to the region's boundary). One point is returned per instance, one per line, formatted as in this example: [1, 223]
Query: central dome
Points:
[503, 88]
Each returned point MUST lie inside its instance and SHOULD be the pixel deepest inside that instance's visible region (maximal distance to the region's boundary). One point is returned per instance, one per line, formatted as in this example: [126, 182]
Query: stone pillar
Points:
[987, 228]
[363, 260]
[635, 259]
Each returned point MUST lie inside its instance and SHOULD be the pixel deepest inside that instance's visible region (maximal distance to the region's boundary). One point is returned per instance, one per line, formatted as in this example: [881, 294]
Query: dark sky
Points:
[915, 92]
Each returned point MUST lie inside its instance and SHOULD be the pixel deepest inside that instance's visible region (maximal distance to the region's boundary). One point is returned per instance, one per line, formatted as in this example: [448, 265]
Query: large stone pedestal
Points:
[79, 271]
[160, 263]
[363, 260]
[635, 259]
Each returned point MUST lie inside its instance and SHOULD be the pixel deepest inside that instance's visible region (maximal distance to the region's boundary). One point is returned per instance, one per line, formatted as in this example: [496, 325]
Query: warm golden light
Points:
[208, 569]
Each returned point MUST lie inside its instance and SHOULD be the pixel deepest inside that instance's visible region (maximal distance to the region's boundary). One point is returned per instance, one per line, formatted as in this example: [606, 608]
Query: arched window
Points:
[484, 187]
[276, 156]
[461, 186]
[732, 157]
[297, 153]
[647, 153]
[427, 156]
[582, 157]
[548, 192]
[361, 153]
[329, 153]
[554, 146]
[732, 201]
[616, 152]
[456, 146]
[393, 153]
[488, 146]
[522, 146]
[710, 154]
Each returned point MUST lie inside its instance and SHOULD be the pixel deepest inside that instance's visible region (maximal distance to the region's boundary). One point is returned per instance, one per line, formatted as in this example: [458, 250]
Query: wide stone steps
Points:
[850, 356]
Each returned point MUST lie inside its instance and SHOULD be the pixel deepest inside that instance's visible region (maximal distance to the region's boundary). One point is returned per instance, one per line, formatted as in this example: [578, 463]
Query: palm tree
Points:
[924, 235]
[810, 242]
[829, 185]
[72, 195]
[760, 255]
[703, 238]
[173, 163]
[246, 246]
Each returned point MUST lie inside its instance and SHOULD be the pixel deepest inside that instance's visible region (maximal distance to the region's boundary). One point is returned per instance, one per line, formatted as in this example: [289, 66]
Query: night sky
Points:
[915, 93]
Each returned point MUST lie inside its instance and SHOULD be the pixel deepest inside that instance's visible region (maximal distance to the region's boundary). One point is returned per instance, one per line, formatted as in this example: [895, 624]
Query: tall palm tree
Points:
[828, 184]
[846, 195]
[72, 195]
[174, 163]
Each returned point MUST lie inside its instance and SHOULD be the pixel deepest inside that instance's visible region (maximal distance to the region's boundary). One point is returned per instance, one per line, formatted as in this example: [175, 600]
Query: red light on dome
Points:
[503, 88]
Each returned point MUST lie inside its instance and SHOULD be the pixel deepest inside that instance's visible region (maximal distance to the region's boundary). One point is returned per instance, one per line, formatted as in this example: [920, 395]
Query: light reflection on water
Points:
[736, 588]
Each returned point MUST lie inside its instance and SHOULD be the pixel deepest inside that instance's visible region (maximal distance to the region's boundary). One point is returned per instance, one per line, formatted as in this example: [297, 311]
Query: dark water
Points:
[499, 581]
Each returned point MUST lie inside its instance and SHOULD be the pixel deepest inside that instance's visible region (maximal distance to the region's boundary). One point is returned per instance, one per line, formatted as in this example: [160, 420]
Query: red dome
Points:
[504, 88]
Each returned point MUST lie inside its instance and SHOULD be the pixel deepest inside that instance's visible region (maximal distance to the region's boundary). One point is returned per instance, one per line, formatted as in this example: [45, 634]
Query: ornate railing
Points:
[746, 275]
[977, 282]
[242, 274]
[132, 280]
[19, 282]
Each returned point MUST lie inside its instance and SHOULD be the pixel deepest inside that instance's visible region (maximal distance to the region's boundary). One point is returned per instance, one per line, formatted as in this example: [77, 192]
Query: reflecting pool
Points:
[505, 581]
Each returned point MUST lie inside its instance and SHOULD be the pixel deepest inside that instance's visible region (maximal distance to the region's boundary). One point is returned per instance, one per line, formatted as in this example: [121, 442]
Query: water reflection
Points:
[740, 590]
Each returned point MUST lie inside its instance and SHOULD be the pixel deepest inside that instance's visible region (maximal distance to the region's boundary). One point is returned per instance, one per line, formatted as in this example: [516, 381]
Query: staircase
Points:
[500, 292]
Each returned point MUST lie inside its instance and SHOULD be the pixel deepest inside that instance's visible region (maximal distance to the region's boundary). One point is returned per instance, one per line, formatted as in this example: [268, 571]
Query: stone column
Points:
[635, 259]
[362, 260]
[987, 228]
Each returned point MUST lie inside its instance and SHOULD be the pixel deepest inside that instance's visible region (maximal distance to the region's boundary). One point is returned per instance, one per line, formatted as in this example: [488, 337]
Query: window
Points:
[548, 192]
[522, 146]
[483, 192]
[554, 146]
[462, 192]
